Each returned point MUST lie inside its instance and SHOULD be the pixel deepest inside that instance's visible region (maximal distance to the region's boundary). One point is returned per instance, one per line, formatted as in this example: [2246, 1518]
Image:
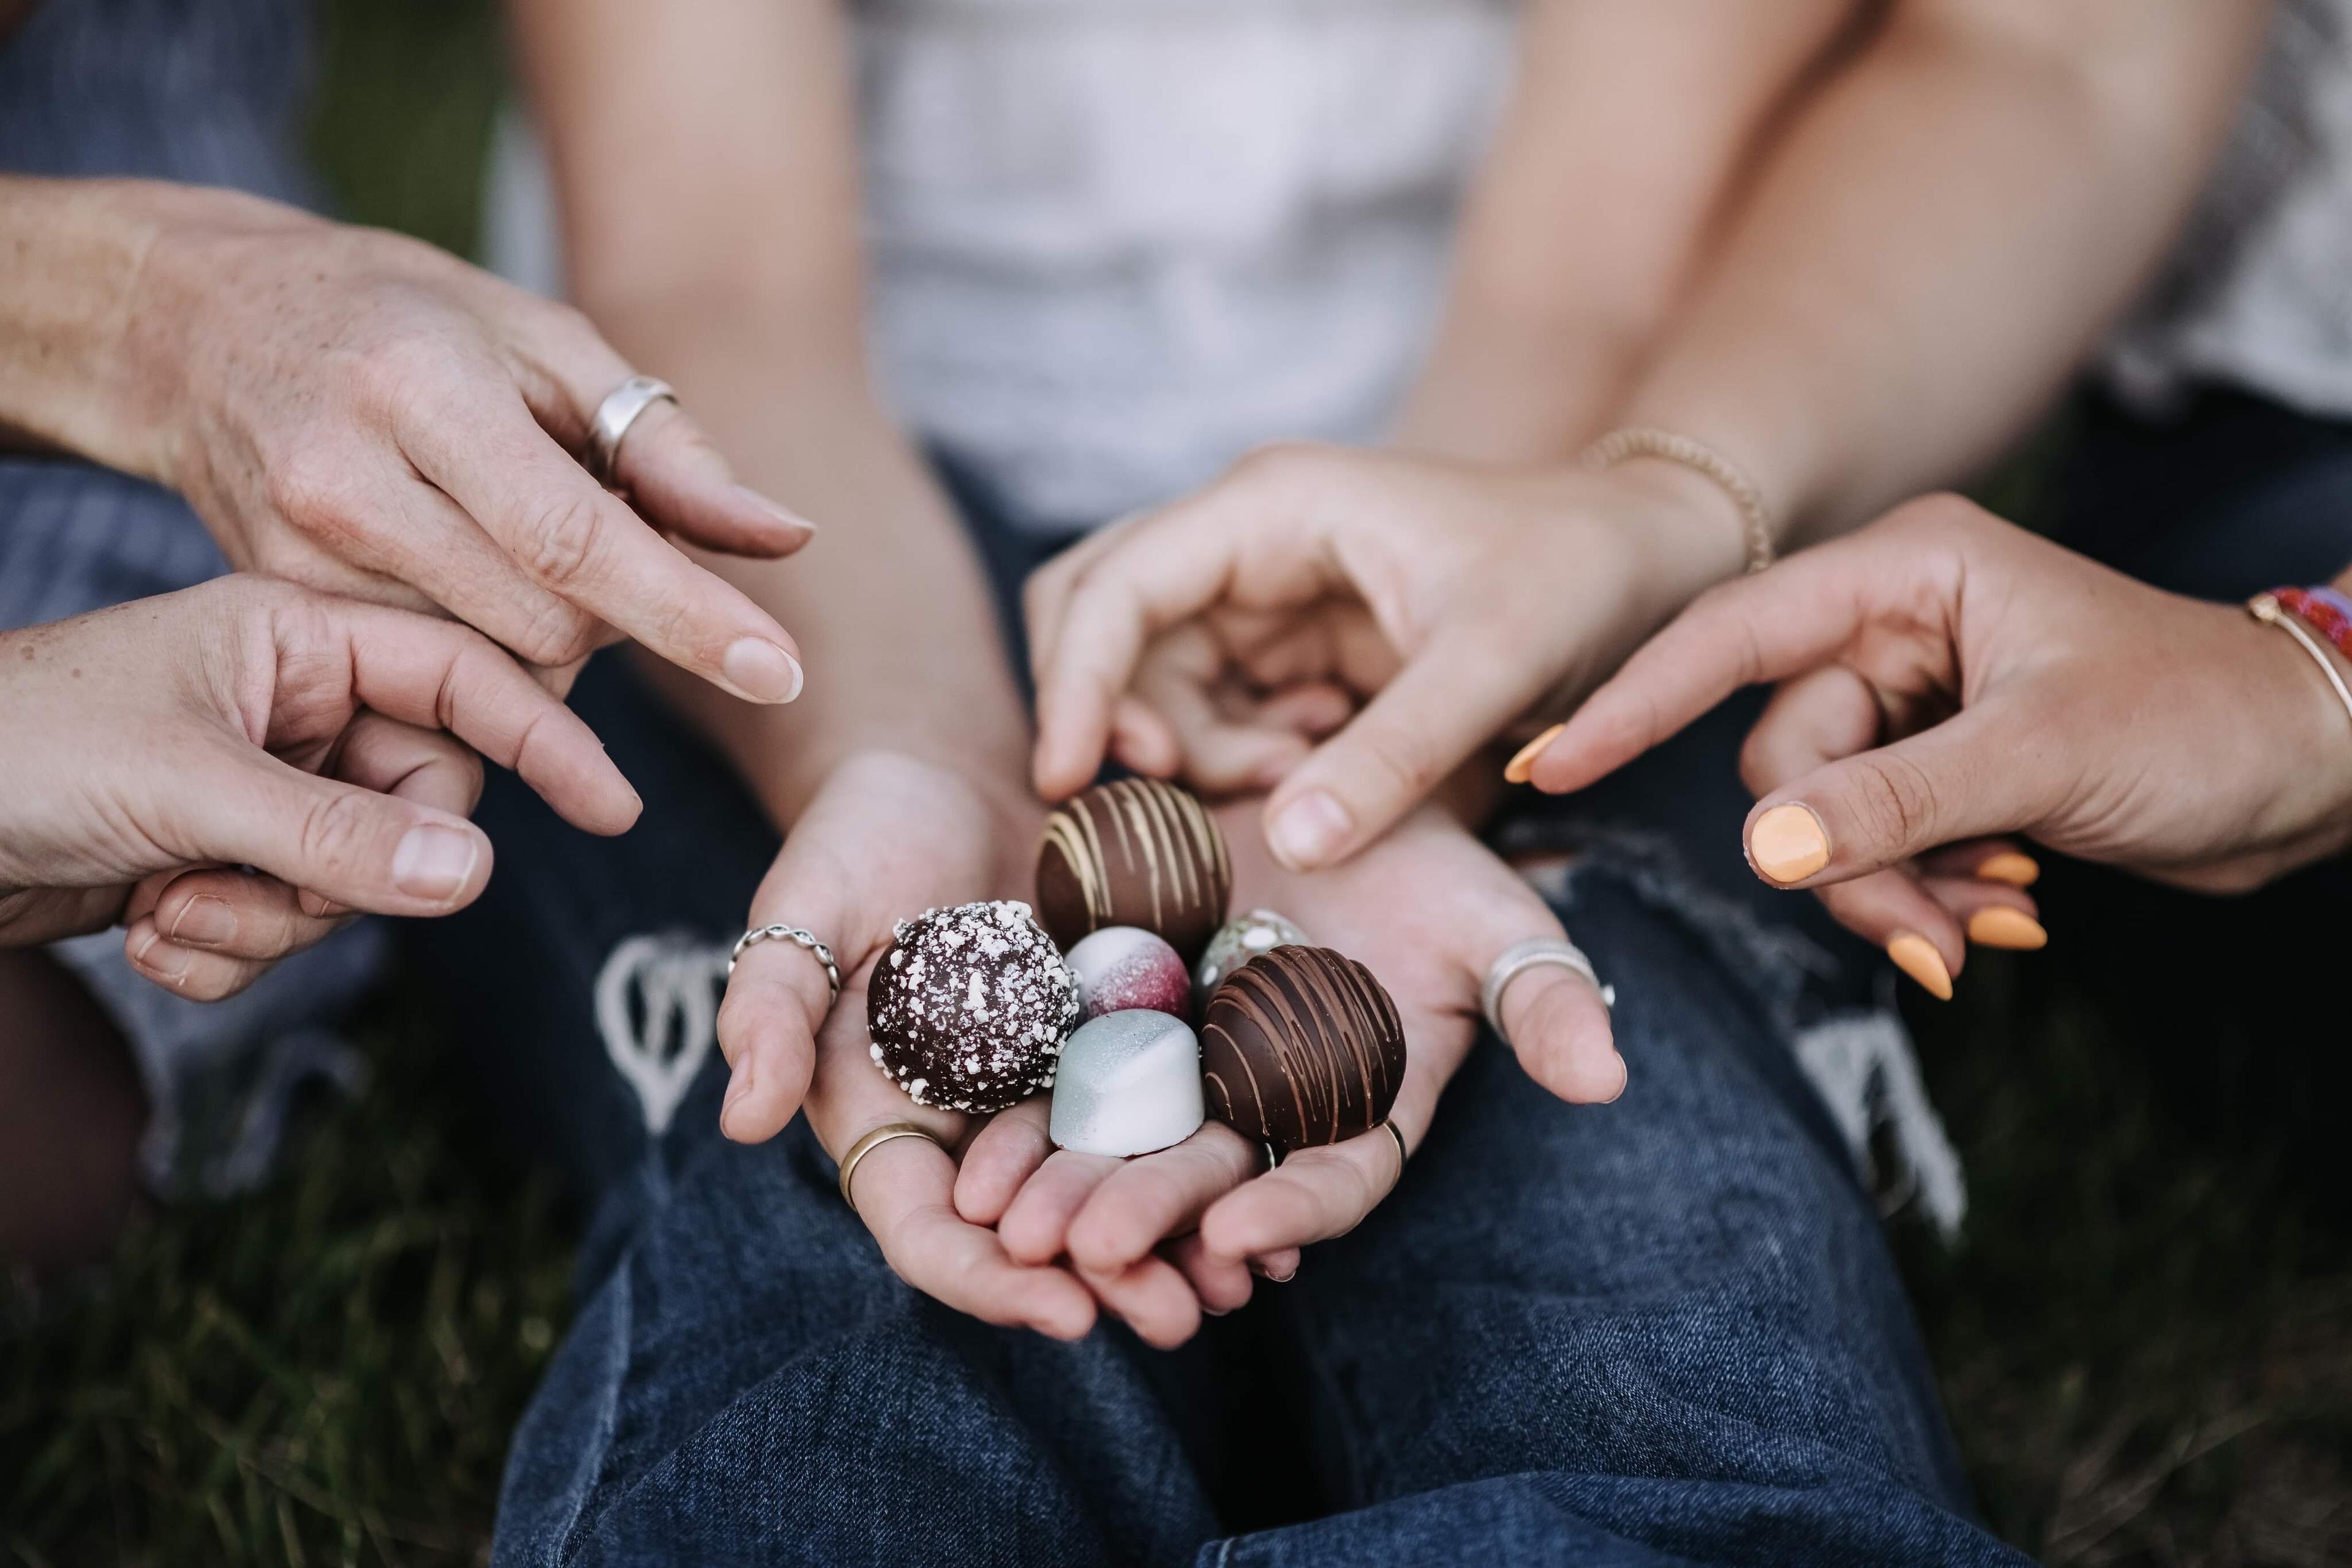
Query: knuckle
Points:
[1400, 762]
[1896, 798]
[555, 633]
[335, 832]
[562, 543]
[414, 371]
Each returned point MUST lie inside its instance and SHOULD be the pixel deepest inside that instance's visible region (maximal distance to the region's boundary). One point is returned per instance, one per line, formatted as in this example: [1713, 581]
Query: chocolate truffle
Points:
[1130, 1083]
[1237, 942]
[1138, 852]
[1122, 968]
[1301, 1046]
[969, 1007]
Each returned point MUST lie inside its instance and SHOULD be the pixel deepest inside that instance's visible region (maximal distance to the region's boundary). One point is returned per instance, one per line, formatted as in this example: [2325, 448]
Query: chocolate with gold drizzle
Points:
[1138, 852]
[1301, 1046]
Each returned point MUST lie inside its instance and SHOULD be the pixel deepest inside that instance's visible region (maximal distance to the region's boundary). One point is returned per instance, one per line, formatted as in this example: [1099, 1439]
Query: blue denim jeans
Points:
[1663, 1330]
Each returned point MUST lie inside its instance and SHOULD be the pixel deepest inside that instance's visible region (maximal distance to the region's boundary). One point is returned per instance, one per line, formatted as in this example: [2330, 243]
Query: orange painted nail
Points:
[2000, 926]
[1917, 957]
[1523, 763]
[1789, 844]
[2008, 866]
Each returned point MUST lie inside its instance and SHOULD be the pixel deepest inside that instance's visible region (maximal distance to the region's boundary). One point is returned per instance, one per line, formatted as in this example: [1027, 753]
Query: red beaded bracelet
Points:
[2324, 610]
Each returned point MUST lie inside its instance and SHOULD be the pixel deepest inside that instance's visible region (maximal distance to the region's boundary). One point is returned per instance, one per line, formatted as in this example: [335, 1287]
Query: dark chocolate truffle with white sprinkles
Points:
[969, 1007]
[1301, 1046]
[1138, 852]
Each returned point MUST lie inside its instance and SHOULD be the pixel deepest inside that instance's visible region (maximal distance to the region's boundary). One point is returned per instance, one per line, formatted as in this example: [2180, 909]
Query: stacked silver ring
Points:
[1534, 953]
[615, 416]
[793, 934]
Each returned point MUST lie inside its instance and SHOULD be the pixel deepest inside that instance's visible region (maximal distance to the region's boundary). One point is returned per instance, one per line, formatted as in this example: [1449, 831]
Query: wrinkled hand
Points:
[1461, 601]
[362, 413]
[153, 747]
[887, 838]
[1945, 678]
[1160, 1237]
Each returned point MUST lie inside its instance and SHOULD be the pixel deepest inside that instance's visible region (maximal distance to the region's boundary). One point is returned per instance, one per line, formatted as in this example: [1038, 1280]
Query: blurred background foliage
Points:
[2144, 1339]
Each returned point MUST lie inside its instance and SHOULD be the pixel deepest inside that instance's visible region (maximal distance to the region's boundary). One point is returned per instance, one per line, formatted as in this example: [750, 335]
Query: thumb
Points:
[363, 850]
[1977, 773]
[1443, 706]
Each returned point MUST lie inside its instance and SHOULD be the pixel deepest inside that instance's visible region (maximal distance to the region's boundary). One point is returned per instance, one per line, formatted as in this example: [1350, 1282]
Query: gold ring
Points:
[873, 1140]
[1391, 1128]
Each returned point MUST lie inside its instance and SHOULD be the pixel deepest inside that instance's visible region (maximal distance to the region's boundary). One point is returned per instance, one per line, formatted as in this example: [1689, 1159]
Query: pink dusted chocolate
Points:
[1123, 969]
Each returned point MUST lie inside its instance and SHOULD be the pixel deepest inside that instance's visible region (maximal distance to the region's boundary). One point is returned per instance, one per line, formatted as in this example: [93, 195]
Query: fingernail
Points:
[738, 1084]
[434, 862]
[1917, 957]
[1787, 844]
[204, 921]
[762, 670]
[1523, 761]
[1625, 1076]
[1260, 1270]
[2000, 926]
[1215, 1311]
[169, 966]
[2008, 866]
[1306, 832]
[782, 514]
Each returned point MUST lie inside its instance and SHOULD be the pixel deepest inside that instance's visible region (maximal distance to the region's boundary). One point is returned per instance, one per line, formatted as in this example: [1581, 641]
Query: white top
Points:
[2259, 294]
[1115, 243]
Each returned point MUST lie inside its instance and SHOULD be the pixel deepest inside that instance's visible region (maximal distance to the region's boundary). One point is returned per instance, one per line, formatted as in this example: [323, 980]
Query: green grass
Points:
[2144, 1340]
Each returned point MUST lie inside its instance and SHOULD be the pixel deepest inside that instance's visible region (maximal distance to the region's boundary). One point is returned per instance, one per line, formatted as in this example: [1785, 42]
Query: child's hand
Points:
[1428, 908]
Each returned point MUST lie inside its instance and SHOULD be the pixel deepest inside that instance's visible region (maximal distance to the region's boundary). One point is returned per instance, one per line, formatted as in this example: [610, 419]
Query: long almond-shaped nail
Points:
[2008, 866]
[1522, 766]
[1917, 957]
[1789, 844]
[2000, 926]
[762, 670]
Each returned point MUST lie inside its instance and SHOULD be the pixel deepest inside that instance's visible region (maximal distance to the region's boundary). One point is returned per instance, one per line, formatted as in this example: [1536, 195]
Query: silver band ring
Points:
[793, 934]
[615, 416]
[1534, 953]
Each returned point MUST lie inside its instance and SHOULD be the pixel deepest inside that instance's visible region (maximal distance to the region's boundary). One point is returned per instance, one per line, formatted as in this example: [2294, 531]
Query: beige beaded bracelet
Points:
[1646, 441]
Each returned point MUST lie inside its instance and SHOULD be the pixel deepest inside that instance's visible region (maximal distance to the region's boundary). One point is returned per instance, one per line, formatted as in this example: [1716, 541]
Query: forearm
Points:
[1940, 238]
[889, 604]
[1592, 210]
[706, 160]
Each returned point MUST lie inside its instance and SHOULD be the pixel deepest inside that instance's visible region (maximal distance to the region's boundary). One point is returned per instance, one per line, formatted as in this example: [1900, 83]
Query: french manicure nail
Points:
[434, 862]
[775, 509]
[2000, 926]
[2008, 866]
[1916, 956]
[1789, 844]
[1522, 766]
[762, 670]
[1306, 832]
[204, 921]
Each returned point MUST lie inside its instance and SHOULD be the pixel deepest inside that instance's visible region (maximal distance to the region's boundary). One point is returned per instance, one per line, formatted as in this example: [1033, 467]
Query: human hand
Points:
[1491, 596]
[885, 837]
[362, 413]
[1160, 1237]
[1945, 678]
[154, 747]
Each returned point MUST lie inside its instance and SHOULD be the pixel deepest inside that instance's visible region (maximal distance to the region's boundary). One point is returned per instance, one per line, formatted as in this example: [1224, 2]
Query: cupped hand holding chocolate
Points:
[1157, 1237]
[886, 838]
[332, 746]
